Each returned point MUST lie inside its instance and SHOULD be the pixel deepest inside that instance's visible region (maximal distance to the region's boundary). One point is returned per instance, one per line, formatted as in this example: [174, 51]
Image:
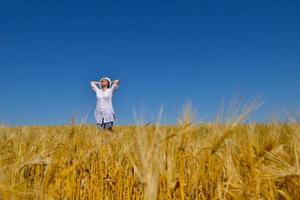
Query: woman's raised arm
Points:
[116, 83]
[94, 85]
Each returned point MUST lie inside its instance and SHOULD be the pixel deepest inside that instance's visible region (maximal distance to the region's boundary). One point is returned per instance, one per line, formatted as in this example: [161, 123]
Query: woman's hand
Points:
[116, 83]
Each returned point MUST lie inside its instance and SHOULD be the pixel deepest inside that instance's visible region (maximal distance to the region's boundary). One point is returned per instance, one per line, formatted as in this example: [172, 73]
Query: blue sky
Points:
[164, 52]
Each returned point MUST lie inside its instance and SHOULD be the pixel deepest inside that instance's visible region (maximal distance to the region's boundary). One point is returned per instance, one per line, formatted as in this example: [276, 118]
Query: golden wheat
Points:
[151, 162]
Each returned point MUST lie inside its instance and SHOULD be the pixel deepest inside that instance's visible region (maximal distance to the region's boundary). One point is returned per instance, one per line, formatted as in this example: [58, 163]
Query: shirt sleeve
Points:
[95, 87]
[114, 87]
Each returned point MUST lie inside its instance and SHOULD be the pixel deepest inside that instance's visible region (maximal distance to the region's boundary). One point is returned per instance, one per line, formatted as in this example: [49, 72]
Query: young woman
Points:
[104, 112]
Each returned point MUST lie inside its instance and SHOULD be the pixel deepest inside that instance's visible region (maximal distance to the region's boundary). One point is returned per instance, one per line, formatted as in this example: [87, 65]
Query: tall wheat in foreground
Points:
[215, 161]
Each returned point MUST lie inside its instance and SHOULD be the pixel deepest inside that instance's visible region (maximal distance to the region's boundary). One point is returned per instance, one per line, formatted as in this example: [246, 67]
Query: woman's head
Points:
[105, 82]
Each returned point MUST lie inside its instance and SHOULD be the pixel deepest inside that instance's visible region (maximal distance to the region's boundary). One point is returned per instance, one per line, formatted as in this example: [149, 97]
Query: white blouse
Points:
[104, 111]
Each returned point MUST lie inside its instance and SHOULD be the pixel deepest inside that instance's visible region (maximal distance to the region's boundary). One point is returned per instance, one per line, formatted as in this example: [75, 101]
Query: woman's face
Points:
[104, 83]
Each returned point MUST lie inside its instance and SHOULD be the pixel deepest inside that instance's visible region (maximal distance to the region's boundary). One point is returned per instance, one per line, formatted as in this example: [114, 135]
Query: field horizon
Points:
[183, 161]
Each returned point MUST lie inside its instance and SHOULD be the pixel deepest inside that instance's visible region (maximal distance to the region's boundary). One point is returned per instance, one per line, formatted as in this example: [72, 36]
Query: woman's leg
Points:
[100, 126]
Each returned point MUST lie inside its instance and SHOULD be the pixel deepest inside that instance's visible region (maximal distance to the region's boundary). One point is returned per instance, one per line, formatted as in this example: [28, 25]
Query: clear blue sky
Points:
[164, 53]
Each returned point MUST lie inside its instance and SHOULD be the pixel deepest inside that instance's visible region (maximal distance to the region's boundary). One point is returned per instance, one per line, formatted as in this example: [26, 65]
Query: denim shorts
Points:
[105, 126]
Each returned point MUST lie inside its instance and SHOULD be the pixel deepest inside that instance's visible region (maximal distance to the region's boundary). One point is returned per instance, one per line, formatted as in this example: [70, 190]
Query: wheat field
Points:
[184, 161]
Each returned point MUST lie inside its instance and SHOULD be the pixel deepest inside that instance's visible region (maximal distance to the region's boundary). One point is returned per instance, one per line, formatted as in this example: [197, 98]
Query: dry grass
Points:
[228, 160]
[153, 162]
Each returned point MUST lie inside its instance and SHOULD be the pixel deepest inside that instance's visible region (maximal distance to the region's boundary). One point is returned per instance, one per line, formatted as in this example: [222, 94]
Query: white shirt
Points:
[104, 111]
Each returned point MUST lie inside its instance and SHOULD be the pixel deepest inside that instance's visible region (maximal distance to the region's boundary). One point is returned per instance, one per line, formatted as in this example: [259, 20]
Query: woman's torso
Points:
[104, 101]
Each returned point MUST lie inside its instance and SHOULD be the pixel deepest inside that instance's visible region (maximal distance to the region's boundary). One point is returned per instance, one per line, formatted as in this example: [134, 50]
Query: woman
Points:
[104, 113]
